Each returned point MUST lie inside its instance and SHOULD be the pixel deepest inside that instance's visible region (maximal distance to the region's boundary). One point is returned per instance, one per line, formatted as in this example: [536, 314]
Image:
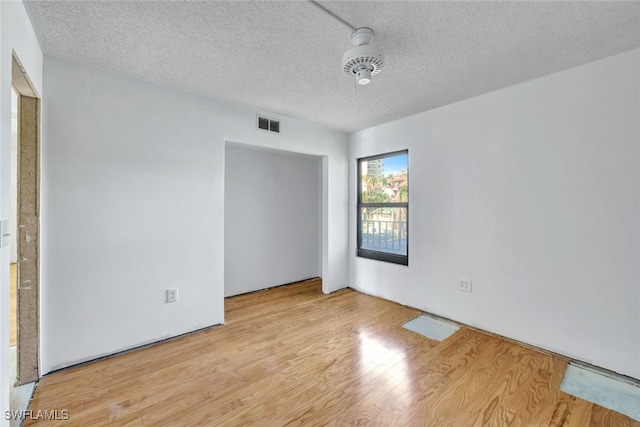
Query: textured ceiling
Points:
[285, 57]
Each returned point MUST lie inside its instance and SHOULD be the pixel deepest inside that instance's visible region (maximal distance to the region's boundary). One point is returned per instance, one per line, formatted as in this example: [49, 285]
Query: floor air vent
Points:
[271, 125]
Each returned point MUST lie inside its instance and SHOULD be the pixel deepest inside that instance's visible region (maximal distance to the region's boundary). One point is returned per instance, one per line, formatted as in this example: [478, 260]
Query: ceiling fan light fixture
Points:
[363, 76]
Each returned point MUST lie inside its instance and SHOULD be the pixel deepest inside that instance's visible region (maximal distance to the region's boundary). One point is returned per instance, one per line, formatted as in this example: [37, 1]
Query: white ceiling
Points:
[285, 57]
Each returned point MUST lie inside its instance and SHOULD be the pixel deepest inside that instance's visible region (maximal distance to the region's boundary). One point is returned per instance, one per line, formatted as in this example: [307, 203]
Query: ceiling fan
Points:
[363, 60]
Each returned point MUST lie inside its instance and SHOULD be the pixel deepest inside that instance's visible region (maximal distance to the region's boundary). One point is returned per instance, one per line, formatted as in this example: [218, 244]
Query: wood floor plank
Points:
[617, 419]
[488, 396]
[542, 393]
[600, 416]
[580, 413]
[294, 356]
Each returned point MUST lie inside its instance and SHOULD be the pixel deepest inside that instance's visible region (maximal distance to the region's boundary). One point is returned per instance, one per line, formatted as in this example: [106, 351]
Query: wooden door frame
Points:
[28, 229]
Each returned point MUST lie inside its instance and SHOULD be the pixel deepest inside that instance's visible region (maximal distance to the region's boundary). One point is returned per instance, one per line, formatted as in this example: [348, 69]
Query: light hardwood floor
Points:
[13, 305]
[293, 356]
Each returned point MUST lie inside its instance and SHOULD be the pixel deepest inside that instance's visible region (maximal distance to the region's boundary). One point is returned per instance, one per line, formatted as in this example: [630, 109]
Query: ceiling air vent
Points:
[265, 123]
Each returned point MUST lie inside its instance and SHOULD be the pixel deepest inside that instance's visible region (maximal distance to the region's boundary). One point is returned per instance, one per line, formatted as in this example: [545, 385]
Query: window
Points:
[383, 207]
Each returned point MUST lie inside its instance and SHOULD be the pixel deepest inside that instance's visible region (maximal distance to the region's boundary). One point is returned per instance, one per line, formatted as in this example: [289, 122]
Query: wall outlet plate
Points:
[464, 284]
[4, 233]
[172, 295]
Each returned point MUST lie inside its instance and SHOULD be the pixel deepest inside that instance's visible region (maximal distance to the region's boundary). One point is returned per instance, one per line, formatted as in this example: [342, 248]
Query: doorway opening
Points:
[273, 221]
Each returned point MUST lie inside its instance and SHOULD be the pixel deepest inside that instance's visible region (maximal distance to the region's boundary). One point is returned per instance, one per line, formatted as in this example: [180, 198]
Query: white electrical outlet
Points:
[464, 284]
[172, 295]
[4, 233]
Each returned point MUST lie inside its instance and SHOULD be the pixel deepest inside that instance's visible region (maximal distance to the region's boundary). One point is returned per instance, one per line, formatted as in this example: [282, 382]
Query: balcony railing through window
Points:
[385, 236]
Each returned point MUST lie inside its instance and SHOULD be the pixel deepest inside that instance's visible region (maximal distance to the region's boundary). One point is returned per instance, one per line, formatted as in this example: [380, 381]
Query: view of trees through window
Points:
[383, 196]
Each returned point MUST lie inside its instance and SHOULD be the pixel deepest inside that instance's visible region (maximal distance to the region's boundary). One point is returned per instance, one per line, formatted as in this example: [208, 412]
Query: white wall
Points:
[133, 204]
[532, 192]
[272, 218]
[16, 34]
